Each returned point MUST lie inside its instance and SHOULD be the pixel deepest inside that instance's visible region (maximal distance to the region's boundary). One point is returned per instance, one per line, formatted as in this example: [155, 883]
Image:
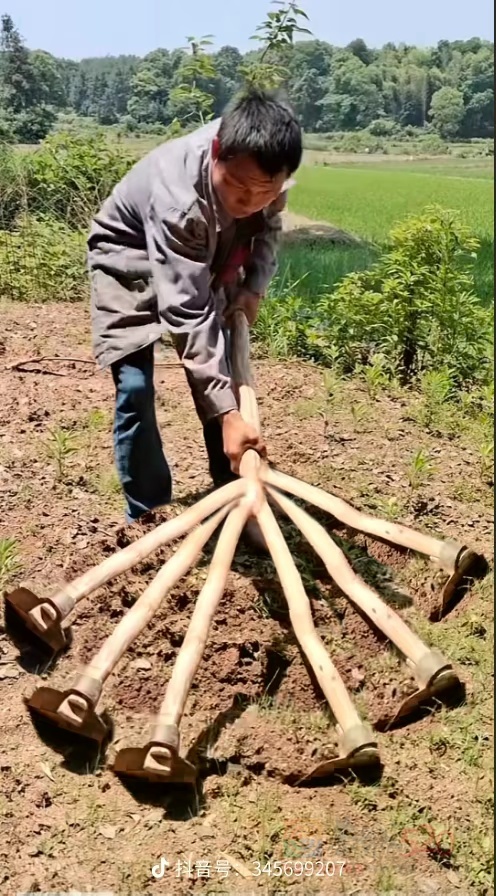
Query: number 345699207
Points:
[319, 868]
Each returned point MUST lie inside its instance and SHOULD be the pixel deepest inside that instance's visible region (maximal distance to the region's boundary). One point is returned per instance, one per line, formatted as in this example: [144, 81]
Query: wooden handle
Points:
[147, 605]
[243, 381]
[193, 646]
[134, 553]
[360, 594]
[300, 614]
[361, 522]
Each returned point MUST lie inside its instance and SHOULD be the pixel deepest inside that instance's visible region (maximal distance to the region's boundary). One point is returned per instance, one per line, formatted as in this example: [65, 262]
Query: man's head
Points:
[258, 146]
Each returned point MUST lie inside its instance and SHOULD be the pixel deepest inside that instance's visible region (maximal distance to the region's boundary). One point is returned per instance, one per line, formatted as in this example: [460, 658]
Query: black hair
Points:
[264, 126]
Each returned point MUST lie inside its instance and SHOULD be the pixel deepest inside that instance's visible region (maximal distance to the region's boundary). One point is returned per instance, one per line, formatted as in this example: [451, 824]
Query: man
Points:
[164, 251]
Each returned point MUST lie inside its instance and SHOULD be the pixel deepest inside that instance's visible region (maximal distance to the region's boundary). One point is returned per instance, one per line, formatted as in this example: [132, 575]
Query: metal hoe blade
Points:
[155, 762]
[366, 758]
[445, 687]
[23, 609]
[358, 752]
[469, 565]
[47, 702]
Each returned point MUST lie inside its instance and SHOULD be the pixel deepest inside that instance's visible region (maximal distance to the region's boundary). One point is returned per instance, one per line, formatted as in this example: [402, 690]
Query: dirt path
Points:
[253, 718]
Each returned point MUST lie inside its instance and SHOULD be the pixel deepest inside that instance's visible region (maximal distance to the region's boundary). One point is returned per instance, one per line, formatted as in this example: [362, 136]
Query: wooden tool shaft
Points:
[134, 553]
[352, 585]
[243, 380]
[391, 532]
[193, 646]
[147, 605]
[300, 614]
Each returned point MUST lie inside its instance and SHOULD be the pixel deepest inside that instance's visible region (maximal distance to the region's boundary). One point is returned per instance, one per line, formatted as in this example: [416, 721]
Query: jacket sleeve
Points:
[180, 252]
[263, 260]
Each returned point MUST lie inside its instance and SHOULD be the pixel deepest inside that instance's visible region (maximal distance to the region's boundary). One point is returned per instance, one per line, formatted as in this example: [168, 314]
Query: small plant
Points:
[333, 384]
[60, 448]
[360, 413]
[9, 561]
[437, 390]
[366, 798]
[386, 881]
[376, 375]
[106, 484]
[487, 460]
[421, 469]
[390, 508]
[96, 422]
[282, 327]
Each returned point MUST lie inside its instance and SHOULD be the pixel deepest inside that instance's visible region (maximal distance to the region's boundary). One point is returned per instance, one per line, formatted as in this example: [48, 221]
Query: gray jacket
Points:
[156, 253]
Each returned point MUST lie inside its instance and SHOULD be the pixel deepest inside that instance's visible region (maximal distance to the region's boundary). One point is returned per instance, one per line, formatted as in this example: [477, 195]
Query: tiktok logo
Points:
[159, 870]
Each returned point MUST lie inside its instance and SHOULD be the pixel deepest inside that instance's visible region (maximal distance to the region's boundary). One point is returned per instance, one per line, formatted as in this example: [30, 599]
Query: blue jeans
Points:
[142, 467]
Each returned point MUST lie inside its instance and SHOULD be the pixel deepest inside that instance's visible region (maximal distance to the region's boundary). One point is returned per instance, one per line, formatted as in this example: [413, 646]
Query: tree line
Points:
[447, 88]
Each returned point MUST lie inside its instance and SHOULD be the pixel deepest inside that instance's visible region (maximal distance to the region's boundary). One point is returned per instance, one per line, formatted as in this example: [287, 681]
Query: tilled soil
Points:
[256, 720]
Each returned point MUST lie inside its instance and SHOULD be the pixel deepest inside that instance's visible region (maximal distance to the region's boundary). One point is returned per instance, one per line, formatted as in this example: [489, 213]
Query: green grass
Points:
[10, 564]
[444, 167]
[317, 268]
[369, 202]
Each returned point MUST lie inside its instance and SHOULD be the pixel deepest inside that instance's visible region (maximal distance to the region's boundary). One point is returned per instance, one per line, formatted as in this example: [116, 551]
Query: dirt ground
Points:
[300, 229]
[255, 721]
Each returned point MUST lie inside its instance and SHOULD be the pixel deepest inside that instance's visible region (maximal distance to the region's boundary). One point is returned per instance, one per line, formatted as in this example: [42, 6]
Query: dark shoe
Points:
[252, 535]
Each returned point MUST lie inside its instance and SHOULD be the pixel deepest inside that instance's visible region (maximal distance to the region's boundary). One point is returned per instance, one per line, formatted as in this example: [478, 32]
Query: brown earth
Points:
[255, 721]
[299, 229]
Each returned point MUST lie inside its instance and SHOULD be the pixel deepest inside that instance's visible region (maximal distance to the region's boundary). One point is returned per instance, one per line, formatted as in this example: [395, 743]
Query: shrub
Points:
[70, 176]
[383, 127]
[43, 260]
[67, 178]
[33, 125]
[11, 185]
[283, 326]
[416, 305]
[7, 134]
[432, 144]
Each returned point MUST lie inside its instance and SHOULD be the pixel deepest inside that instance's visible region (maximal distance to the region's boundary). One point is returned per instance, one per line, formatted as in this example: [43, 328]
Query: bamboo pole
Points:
[63, 602]
[300, 614]
[445, 553]
[88, 685]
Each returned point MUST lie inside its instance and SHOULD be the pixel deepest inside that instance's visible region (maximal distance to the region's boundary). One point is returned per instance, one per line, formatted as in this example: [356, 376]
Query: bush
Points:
[416, 306]
[383, 127]
[33, 125]
[360, 141]
[43, 260]
[70, 176]
[432, 144]
[11, 185]
[7, 134]
[67, 178]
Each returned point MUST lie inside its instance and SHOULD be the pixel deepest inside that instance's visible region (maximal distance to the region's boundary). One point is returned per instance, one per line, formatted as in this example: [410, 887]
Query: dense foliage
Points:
[414, 310]
[447, 88]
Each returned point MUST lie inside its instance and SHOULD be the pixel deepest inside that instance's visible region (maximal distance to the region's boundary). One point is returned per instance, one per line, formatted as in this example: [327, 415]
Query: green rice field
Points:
[368, 199]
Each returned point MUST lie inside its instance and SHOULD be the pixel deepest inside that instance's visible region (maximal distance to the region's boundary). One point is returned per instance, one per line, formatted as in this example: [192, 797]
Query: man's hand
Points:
[245, 301]
[238, 437]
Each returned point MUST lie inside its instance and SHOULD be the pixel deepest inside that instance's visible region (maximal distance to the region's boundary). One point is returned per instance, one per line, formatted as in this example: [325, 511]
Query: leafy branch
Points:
[196, 68]
[276, 34]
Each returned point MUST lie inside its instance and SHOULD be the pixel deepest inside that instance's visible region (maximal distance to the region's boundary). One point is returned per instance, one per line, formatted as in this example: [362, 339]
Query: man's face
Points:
[242, 187]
